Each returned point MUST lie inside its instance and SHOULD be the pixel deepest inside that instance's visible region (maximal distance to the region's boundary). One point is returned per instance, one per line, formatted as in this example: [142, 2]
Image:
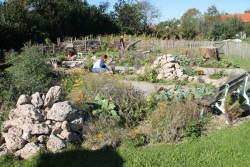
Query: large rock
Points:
[55, 144]
[76, 124]
[15, 131]
[15, 122]
[72, 137]
[13, 142]
[28, 110]
[28, 150]
[39, 129]
[52, 96]
[37, 100]
[23, 99]
[62, 111]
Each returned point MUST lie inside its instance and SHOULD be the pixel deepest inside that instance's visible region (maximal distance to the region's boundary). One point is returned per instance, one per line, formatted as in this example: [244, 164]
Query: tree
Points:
[189, 24]
[169, 29]
[134, 17]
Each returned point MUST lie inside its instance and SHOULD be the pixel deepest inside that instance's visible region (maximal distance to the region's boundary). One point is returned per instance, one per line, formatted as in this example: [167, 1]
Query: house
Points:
[245, 17]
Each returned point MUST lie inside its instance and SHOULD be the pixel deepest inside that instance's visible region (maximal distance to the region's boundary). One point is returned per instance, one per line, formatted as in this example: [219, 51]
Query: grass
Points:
[226, 147]
[243, 63]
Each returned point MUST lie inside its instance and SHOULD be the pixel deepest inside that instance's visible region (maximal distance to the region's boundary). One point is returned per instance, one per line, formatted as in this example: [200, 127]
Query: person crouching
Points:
[99, 65]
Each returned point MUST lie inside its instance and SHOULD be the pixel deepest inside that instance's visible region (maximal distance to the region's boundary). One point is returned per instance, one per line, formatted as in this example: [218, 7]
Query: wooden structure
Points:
[238, 84]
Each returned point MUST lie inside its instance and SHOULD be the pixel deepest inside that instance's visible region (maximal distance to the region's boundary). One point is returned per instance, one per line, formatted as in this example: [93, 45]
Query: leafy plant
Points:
[104, 105]
[149, 75]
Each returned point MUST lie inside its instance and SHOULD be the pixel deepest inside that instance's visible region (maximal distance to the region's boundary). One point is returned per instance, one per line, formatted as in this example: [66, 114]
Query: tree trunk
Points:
[210, 52]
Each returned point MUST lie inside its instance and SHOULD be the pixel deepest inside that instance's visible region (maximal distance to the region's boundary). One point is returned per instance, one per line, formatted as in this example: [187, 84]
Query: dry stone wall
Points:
[41, 121]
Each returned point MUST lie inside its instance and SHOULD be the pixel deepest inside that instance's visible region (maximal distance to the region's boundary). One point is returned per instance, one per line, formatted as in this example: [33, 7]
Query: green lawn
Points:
[227, 147]
[245, 64]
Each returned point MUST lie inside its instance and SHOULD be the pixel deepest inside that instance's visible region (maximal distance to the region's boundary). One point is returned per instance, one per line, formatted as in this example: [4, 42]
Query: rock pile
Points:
[169, 69]
[41, 121]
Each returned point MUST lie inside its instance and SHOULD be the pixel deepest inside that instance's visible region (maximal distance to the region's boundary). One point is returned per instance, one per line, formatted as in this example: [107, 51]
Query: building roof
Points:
[245, 17]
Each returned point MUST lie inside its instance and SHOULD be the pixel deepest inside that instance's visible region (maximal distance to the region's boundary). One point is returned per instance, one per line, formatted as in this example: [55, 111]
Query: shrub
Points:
[149, 75]
[174, 121]
[30, 73]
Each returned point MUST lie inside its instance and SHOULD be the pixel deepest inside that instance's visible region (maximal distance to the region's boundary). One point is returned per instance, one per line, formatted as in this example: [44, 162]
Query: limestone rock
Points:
[76, 124]
[36, 100]
[28, 110]
[72, 137]
[23, 99]
[62, 111]
[13, 142]
[15, 131]
[65, 126]
[40, 129]
[55, 144]
[28, 150]
[52, 96]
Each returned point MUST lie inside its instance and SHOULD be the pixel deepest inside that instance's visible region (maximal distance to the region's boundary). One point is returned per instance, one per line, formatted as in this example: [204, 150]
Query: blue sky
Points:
[175, 8]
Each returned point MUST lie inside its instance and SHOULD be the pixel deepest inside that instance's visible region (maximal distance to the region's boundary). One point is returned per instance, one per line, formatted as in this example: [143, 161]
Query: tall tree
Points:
[189, 23]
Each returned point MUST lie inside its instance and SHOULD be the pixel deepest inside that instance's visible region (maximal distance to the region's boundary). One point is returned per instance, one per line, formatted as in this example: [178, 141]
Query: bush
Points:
[174, 121]
[30, 73]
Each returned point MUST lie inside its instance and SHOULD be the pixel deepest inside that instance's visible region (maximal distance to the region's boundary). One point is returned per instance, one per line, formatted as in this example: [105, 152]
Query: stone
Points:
[167, 66]
[62, 111]
[13, 142]
[171, 59]
[15, 131]
[65, 126]
[72, 137]
[28, 110]
[28, 151]
[23, 99]
[76, 124]
[38, 129]
[26, 136]
[55, 144]
[52, 96]
[36, 100]
[42, 139]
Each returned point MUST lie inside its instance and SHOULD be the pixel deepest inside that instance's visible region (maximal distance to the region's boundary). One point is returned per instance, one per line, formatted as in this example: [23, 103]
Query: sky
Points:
[170, 9]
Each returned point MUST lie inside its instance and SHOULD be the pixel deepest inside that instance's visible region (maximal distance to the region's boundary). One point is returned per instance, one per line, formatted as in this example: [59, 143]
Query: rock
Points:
[52, 96]
[171, 59]
[167, 66]
[62, 111]
[38, 129]
[65, 126]
[15, 131]
[15, 122]
[72, 137]
[28, 150]
[36, 100]
[28, 110]
[23, 99]
[13, 142]
[27, 135]
[55, 144]
[42, 139]
[76, 124]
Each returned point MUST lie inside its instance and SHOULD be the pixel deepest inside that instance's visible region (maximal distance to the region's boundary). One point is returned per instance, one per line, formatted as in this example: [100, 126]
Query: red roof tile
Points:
[244, 17]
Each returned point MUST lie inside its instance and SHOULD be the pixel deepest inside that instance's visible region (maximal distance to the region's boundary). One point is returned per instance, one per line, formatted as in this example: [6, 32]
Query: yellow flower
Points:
[133, 136]
[136, 131]
[99, 135]
[126, 102]
[94, 112]
[148, 99]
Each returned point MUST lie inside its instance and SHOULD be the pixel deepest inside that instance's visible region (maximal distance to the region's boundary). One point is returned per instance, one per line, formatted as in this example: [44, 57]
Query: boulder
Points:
[13, 142]
[37, 100]
[62, 111]
[28, 150]
[52, 96]
[39, 129]
[72, 137]
[76, 124]
[23, 99]
[55, 144]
